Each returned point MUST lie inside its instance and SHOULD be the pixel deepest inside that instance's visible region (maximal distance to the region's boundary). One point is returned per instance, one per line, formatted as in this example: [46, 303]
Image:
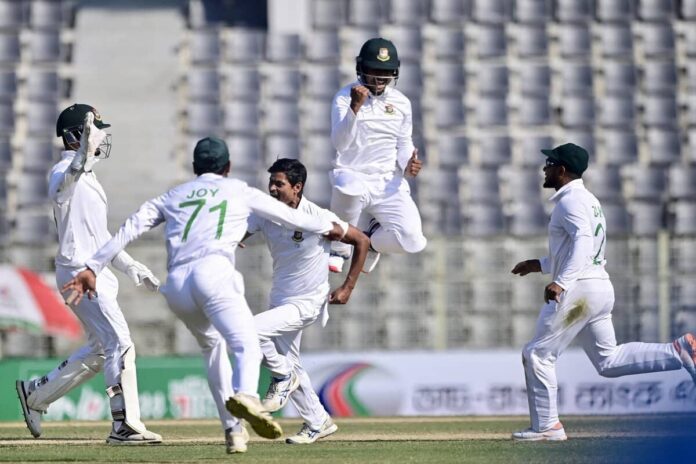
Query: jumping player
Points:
[371, 131]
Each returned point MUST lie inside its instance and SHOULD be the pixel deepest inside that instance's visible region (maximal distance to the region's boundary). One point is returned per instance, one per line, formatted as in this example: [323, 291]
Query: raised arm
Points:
[147, 217]
[274, 210]
[344, 110]
[62, 182]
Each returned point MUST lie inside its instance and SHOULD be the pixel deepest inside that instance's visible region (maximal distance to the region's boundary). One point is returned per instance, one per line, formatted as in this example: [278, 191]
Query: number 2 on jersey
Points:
[222, 207]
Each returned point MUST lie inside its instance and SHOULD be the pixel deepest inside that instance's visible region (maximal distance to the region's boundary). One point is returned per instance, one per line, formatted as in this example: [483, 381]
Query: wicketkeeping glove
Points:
[140, 274]
[90, 140]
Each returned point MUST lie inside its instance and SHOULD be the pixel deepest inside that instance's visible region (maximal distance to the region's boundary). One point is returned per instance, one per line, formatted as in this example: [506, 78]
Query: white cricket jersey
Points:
[577, 236]
[378, 139]
[205, 216]
[300, 259]
[80, 210]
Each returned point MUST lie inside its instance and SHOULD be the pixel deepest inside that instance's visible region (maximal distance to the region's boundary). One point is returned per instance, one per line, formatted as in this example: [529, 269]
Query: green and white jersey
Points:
[205, 216]
[577, 236]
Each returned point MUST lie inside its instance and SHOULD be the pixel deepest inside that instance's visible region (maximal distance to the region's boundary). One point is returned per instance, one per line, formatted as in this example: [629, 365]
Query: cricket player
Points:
[299, 296]
[205, 219]
[579, 300]
[79, 208]
[371, 132]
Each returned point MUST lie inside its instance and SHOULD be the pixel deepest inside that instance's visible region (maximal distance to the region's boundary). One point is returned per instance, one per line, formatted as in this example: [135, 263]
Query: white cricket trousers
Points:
[208, 296]
[280, 333]
[389, 202]
[105, 326]
[584, 310]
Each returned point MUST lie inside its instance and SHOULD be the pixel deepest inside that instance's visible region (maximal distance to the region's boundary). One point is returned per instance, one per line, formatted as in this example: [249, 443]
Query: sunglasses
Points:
[552, 162]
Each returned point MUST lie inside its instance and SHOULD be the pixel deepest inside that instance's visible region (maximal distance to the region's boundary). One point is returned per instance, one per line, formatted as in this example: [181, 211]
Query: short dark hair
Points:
[292, 168]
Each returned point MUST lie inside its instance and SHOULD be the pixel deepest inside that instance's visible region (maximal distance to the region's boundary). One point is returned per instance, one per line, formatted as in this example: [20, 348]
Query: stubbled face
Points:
[279, 187]
[376, 80]
[552, 174]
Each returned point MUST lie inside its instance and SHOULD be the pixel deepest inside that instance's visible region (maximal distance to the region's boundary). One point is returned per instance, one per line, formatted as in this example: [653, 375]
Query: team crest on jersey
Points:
[383, 54]
[297, 236]
[389, 109]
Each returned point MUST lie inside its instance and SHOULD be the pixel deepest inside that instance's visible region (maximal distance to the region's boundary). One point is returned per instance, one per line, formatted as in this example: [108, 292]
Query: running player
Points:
[205, 219]
[299, 296]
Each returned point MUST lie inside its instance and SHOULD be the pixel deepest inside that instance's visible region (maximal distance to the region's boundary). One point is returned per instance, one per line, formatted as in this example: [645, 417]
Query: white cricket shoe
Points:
[236, 441]
[279, 392]
[336, 262]
[307, 435]
[32, 417]
[532, 435]
[686, 347]
[126, 435]
[250, 409]
[373, 255]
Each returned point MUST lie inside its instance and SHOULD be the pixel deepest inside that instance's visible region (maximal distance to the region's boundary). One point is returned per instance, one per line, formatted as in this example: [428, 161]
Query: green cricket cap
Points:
[378, 53]
[573, 157]
[210, 155]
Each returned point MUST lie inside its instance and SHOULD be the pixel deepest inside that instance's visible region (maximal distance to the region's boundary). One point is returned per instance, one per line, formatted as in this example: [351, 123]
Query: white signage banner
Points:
[481, 383]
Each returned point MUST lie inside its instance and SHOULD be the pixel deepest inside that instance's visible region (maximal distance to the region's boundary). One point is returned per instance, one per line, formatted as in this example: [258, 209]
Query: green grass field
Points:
[596, 440]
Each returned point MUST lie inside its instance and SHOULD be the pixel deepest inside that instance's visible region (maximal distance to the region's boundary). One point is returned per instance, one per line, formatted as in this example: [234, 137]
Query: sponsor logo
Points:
[607, 396]
[383, 54]
[358, 389]
[465, 399]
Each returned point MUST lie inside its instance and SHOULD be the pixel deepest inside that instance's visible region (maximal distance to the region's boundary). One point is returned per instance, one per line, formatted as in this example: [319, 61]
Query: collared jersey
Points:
[80, 211]
[205, 216]
[300, 259]
[577, 236]
[378, 139]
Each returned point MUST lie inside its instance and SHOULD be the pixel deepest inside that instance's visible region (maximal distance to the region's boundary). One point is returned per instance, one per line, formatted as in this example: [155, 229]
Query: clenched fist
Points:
[358, 96]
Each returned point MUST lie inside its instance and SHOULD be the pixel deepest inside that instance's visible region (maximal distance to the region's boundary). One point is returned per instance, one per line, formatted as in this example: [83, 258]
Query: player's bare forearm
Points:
[361, 244]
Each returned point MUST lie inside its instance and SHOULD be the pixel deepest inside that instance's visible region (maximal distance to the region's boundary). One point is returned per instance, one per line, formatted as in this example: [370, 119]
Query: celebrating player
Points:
[79, 207]
[299, 296]
[580, 299]
[371, 131]
[205, 219]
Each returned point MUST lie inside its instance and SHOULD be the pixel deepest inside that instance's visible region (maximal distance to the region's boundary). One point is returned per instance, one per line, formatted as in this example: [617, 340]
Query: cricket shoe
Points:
[236, 442]
[250, 409]
[32, 417]
[336, 262]
[126, 435]
[532, 435]
[279, 392]
[373, 255]
[308, 435]
[686, 347]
